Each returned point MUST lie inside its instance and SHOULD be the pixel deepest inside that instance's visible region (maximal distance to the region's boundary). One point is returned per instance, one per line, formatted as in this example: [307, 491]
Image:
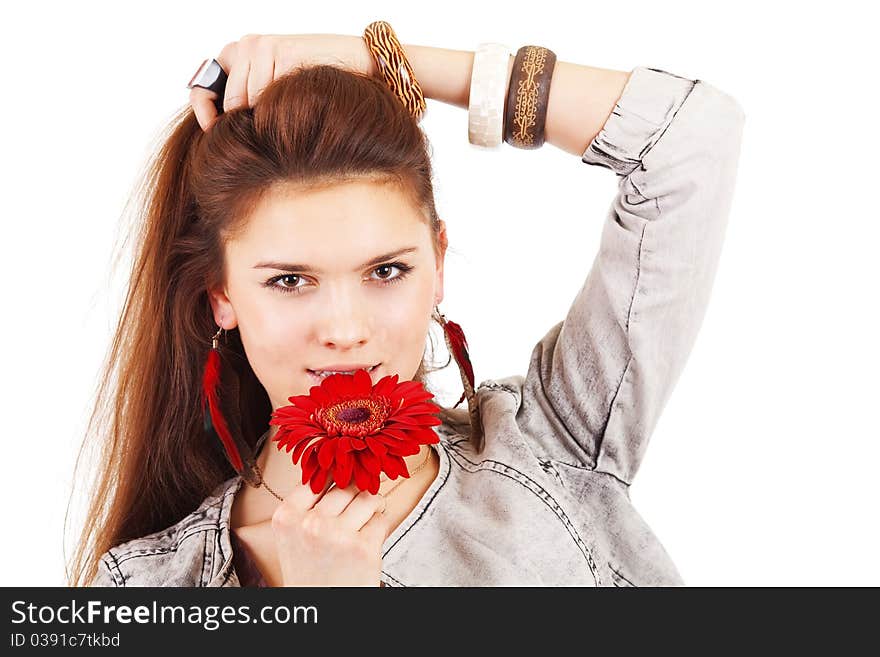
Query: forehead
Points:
[361, 212]
[331, 228]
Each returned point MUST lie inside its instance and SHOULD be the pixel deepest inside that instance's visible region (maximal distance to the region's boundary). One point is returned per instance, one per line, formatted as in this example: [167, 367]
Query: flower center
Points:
[355, 417]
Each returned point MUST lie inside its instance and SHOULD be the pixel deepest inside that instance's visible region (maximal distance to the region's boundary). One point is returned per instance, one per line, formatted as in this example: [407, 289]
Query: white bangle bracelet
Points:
[488, 94]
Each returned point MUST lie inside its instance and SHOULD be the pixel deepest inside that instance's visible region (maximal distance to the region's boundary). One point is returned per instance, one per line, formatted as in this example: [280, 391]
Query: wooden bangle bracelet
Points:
[393, 65]
[525, 112]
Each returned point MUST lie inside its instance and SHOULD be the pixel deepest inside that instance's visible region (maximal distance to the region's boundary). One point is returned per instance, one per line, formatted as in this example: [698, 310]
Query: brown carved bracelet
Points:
[525, 112]
[392, 63]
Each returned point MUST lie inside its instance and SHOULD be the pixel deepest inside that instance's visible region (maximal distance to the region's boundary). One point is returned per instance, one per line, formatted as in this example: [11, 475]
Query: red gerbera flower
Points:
[361, 429]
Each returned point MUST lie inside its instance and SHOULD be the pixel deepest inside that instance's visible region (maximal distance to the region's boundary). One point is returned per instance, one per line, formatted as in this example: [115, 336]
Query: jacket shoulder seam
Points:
[113, 568]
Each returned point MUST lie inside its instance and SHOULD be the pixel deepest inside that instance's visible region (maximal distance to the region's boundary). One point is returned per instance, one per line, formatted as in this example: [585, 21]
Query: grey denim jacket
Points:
[546, 502]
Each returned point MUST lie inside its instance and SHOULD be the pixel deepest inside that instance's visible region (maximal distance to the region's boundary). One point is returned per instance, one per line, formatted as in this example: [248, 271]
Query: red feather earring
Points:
[457, 344]
[223, 425]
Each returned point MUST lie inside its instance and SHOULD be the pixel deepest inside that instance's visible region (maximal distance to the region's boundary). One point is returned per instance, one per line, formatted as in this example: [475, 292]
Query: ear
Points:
[438, 281]
[224, 313]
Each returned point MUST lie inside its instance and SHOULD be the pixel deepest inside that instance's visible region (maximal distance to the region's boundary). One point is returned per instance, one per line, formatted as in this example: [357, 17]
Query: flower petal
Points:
[306, 404]
[404, 449]
[391, 465]
[361, 476]
[343, 469]
[307, 474]
[375, 445]
[418, 420]
[327, 453]
[298, 450]
[370, 462]
[309, 463]
[337, 386]
[402, 391]
[320, 394]
[424, 436]
[395, 433]
[419, 396]
[419, 409]
[385, 386]
[362, 383]
[318, 480]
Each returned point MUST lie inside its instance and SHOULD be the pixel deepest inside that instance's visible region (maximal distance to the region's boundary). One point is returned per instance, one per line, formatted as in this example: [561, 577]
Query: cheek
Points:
[405, 324]
[407, 308]
[274, 356]
[271, 341]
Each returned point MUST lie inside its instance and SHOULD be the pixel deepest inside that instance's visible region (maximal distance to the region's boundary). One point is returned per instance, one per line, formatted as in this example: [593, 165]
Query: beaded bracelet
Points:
[525, 113]
[393, 65]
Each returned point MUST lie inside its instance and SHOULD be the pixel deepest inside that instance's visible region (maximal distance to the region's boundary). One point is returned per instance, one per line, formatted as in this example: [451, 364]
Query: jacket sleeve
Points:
[602, 376]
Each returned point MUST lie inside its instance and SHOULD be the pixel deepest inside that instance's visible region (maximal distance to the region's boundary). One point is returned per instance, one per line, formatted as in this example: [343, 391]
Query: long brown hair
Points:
[314, 126]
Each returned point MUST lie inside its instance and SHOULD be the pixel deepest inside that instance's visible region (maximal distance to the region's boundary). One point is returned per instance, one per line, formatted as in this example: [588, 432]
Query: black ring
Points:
[212, 77]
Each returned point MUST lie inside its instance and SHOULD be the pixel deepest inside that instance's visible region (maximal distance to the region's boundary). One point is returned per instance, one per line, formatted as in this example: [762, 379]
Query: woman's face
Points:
[312, 283]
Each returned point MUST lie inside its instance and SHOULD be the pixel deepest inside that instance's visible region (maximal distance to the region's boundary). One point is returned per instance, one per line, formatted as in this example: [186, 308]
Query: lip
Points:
[318, 379]
[345, 366]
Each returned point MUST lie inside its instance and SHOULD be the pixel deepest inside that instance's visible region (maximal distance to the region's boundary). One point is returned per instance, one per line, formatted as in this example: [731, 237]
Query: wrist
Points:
[443, 74]
[363, 58]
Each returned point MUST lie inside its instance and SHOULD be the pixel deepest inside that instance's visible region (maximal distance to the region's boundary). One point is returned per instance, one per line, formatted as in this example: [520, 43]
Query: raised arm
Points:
[581, 97]
[602, 376]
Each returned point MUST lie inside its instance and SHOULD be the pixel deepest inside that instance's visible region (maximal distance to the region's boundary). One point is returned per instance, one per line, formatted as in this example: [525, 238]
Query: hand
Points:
[331, 538]
[256, 60]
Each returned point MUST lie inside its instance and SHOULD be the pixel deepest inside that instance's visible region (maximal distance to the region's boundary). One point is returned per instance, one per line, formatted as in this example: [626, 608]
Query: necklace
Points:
[385, 494]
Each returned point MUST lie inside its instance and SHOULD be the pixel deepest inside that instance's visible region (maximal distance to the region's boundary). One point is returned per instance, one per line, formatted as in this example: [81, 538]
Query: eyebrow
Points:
[287, 266]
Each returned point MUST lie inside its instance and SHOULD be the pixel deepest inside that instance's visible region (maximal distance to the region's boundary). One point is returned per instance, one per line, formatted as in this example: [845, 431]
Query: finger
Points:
[236, 86]
[335, 501]
[377, 529]
[303, 498]
[202, 101]
[261, 75]
[361, 509]
[328, 486]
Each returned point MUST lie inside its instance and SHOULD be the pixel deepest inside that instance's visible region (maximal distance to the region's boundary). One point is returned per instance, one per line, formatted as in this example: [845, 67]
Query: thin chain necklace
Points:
[385, 494]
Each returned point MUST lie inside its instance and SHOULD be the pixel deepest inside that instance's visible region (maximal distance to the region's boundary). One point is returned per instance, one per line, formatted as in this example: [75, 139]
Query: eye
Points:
[297, 289]
[403, 268]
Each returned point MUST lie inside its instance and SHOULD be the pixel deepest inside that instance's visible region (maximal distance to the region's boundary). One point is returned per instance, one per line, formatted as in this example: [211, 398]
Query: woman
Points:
[301, 223]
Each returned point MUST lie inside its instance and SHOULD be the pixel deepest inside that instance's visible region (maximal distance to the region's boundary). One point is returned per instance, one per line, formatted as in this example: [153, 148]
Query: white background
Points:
[763, 467]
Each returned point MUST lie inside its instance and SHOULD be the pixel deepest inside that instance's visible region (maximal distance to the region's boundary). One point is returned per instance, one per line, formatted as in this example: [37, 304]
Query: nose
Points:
[345, 325]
